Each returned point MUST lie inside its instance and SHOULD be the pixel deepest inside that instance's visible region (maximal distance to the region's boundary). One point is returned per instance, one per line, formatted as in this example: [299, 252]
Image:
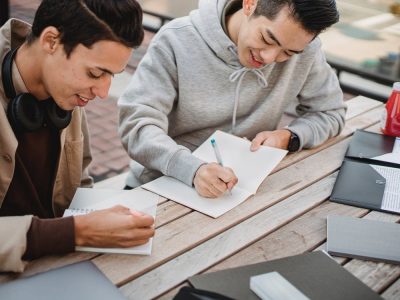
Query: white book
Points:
[89, 200]
[273, 286]
[251, 168]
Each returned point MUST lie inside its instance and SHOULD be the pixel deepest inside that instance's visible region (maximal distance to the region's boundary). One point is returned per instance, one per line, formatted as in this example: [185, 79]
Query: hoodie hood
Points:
[207, 21]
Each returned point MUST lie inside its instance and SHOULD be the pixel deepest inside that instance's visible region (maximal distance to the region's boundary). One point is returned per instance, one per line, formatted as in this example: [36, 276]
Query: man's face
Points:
[262, 41]
[85, 74]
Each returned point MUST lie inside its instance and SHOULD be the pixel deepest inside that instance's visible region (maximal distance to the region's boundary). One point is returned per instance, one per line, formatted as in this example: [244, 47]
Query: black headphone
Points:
[25, 112]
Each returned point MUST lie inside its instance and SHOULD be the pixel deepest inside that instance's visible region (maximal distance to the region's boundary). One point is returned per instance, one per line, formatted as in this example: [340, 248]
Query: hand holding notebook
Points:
[251, 168]
[106, 218]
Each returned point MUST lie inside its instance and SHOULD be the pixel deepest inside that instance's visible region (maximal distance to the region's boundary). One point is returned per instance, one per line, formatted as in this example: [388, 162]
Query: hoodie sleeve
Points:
[321, 107]
[143, 115]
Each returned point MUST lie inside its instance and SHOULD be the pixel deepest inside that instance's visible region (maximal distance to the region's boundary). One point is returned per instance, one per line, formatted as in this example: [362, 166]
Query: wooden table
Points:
[287, 216]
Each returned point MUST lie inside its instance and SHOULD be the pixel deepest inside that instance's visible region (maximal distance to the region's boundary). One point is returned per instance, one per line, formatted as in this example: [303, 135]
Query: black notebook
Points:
[370, 174]
[77, 281]
[314, 274]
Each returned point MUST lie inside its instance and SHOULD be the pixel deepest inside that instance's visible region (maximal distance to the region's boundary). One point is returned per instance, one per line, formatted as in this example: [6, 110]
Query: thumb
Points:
[258, 140]
[136, 213]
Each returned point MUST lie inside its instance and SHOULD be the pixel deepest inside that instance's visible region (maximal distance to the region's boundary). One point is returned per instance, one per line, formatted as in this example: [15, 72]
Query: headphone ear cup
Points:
[24, 113]
[58, 117]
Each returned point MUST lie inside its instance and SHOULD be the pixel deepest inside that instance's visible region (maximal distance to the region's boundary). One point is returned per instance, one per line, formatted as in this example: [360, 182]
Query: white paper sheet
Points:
[391, 195]
[251, 168]
[396, 147]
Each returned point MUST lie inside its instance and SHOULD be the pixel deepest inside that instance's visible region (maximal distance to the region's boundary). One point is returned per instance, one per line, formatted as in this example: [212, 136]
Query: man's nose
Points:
[269, 55]
[101, 88]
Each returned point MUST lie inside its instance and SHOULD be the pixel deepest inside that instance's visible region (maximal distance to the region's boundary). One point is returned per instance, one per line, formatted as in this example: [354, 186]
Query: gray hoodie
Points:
[191, 83]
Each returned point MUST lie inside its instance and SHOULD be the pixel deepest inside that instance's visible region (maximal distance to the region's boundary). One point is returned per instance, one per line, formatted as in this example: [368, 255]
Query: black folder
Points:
[358, 183]
[366, 145]
[314, 274]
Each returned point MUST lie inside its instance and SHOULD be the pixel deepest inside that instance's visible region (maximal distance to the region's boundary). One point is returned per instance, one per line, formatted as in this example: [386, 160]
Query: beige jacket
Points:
[72, 169]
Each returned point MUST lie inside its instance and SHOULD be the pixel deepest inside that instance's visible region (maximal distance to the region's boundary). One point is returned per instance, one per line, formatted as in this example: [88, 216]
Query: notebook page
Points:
[391, 195]
[251, 168]
[176, 190]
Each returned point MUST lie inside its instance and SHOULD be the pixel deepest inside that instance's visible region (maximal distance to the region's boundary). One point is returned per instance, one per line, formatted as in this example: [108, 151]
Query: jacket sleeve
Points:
[143, 115]
[321, 107]
[13, 231]
[86, 179]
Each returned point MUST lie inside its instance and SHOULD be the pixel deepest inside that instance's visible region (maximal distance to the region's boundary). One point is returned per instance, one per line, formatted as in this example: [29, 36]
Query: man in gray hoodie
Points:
[233, 65]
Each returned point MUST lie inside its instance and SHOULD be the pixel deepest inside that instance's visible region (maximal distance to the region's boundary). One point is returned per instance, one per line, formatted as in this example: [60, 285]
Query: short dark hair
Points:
[89, 21]
[314, 15]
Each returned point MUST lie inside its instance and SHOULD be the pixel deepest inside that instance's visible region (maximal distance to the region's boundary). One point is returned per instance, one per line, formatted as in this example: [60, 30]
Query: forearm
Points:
[313, 129]
[321, 106]
[154, 149]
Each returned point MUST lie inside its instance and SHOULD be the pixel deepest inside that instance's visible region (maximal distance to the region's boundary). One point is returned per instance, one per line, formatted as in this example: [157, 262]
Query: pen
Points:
[218, 155]
[216, 151]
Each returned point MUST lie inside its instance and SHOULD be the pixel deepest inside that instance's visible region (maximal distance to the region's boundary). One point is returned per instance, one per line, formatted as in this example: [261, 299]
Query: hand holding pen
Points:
[213, 179]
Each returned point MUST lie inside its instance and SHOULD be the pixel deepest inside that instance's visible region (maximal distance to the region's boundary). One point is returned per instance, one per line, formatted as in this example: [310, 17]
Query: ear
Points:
[249, 6]
[50, 39]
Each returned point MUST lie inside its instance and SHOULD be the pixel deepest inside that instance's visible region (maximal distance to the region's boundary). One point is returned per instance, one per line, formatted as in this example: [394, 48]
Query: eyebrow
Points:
[272, 36]
[108, 71]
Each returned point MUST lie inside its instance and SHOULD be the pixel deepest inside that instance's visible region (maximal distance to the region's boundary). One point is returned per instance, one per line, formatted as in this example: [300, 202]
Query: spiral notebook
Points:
[88, 200]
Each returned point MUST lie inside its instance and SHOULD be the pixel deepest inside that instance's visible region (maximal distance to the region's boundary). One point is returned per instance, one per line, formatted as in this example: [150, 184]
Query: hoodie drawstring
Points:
[239, 74]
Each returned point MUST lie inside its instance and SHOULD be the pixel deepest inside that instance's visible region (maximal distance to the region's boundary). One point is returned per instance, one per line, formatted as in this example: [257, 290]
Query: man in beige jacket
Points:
[49, 73]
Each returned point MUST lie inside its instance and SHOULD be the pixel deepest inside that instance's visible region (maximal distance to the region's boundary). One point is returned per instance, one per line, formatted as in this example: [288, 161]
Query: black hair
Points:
[314, 15]
[89, 21]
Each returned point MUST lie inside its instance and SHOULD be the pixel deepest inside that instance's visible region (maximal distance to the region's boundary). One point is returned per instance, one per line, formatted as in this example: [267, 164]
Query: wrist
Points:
[197, 173]
[79, 227]
[294, 142]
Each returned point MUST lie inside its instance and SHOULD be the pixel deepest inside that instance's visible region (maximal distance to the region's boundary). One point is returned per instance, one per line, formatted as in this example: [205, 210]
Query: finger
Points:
[142, 234]
[119, 209]
[227, 175]
[208, 191]
[216, 192]
[132, 243]
[218, 185]
[258, 140]
[143, 221]
[269, 142]
[136, 213]
[232, 183]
